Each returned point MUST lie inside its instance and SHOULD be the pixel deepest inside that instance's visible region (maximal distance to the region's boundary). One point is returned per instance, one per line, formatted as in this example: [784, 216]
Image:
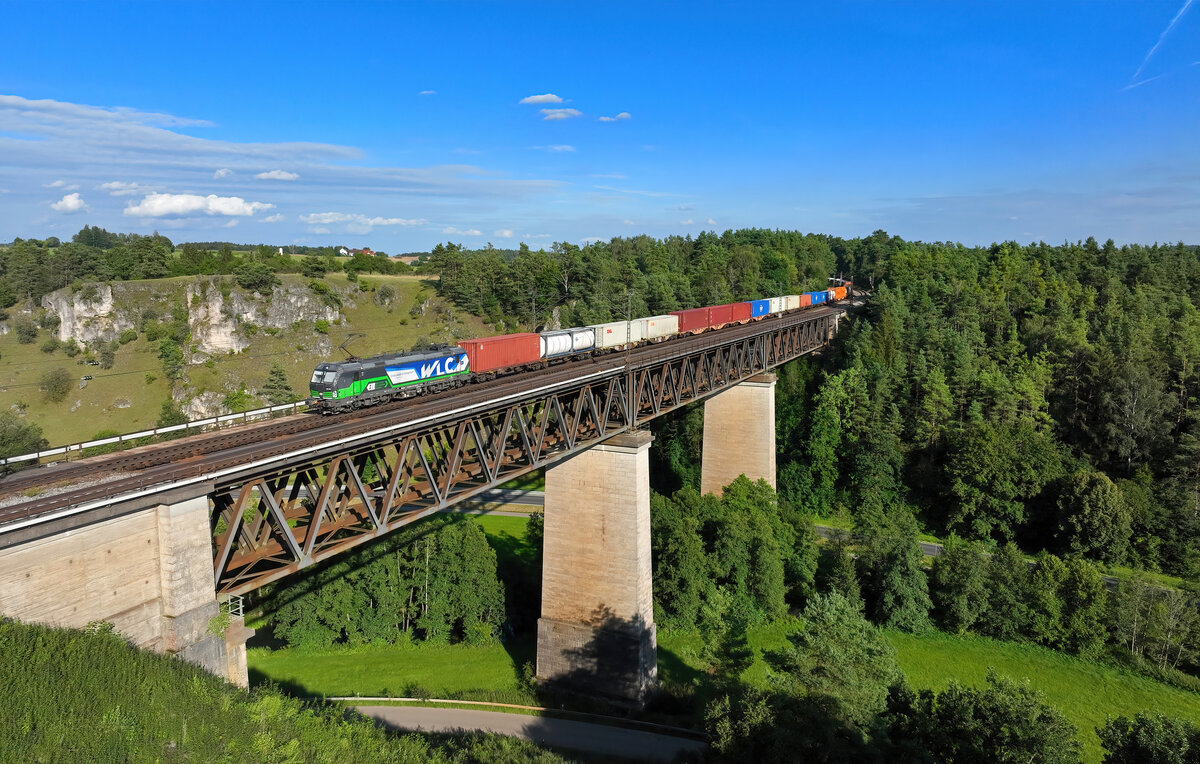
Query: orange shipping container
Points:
[490, 353]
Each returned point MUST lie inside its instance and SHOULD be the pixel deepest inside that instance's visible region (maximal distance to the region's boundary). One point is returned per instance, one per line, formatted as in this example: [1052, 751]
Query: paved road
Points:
[559, 733]
[505, 497]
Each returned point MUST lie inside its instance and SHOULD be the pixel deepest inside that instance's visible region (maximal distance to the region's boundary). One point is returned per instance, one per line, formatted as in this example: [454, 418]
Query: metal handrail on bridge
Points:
[198, 424]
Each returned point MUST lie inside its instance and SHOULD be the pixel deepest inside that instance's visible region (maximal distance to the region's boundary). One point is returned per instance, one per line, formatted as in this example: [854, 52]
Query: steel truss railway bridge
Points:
[153, 539]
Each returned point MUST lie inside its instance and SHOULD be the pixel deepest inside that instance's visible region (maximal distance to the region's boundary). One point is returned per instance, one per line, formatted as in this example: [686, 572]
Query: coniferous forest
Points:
[1035, 407]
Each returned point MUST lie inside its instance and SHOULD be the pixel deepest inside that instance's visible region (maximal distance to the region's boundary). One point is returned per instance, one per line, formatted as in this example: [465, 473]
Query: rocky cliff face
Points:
[218, 320]
[88, 315]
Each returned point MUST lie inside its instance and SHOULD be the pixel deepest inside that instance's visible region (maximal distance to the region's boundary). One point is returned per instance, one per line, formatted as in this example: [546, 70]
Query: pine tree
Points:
[277, 389]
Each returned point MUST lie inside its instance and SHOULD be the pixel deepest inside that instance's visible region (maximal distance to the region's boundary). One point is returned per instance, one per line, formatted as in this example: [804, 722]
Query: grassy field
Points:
[456, 672]
[122, 398]
[1086, 692]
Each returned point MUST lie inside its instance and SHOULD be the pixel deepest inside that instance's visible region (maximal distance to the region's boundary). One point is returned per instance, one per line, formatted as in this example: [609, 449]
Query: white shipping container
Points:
[656, 327]
[555, 343]
[617, 333]
[776, 305]
[791, 302]
[582, 339]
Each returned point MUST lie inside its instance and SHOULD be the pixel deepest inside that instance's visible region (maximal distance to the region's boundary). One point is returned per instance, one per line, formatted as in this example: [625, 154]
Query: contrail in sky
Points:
[1187, 4]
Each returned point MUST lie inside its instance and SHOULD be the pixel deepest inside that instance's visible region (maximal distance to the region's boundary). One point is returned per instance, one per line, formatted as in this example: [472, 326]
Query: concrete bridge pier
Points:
[148, 572]
[597, 633]
[739, 434]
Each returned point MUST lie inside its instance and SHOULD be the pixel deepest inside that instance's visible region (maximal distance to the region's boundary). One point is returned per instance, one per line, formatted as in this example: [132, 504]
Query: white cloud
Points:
[320, 229]
[159, 205]
[277, 175]
[44, 140]
[117, 188]
[557, 149]
[543, 98]
[622, 115]
[503, 233]
[689, 221]
[427, 92]
[634, 191]
[628, 222]
[276, 218]
[61, 184]
[70, 203]
[711, 221]
[536, 236]
[553, 115]
[459, 232]
[328, 218]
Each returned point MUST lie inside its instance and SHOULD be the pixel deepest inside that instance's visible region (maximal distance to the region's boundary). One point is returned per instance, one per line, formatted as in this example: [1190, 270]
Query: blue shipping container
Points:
[818, 297]
[759, 308]
[406, 373]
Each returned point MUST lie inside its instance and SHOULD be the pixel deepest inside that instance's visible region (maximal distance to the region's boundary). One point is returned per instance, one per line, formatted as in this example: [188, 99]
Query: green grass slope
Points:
[1086, 692]
[125, 399]
[72, 696]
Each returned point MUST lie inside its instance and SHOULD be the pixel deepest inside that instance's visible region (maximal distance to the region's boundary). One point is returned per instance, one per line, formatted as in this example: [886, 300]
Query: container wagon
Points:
[566, 341]
[816, 298]
[656, 328]
[778, 305]
[693, 321]
[617, 334]
[759, 308]
[503, 352]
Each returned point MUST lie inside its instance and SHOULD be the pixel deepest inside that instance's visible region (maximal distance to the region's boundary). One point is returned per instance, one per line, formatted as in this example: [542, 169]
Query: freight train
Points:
[361, 382]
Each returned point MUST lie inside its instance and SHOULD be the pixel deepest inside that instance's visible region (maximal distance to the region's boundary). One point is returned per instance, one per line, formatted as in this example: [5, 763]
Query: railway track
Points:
[126, 472]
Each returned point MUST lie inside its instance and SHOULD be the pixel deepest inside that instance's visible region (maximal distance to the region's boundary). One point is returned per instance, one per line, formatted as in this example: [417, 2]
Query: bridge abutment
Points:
[148, 572]
[597, 632]
[739, 434]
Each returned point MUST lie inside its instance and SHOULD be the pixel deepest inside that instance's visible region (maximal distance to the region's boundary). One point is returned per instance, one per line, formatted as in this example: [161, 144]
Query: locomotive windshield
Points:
[322, 377]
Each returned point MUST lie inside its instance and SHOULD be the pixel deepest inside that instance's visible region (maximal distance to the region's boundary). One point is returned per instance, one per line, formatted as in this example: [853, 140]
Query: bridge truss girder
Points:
[275, 523]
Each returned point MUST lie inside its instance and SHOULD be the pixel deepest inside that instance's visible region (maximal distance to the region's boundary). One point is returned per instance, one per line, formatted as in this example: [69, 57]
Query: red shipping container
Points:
[719, 315]
[692, 321]
[742, 311]
[805, 300]
[491, 353]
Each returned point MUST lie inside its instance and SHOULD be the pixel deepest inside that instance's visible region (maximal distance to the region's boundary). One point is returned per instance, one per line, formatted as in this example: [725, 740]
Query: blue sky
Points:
[398, 125]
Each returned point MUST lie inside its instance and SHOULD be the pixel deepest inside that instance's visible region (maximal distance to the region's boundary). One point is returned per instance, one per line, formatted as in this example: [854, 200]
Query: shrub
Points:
[385, 294]
[108, 357]
[321, 325]
[255, 276]
[127, 336]
[56, 383]
[26, 330]
[49, 321]
[326, 293]
[238, 400]
[50, 345]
